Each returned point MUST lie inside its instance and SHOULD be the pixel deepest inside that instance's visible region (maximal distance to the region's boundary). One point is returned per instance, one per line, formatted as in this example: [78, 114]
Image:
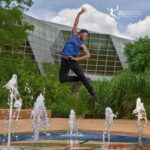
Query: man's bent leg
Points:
[63, 73]
[76, 68]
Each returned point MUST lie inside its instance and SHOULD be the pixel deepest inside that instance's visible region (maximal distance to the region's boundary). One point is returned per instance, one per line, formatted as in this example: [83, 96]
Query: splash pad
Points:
[70, 133]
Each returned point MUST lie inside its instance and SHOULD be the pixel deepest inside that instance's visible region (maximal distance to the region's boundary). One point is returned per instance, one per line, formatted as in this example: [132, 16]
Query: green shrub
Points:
[119, 93]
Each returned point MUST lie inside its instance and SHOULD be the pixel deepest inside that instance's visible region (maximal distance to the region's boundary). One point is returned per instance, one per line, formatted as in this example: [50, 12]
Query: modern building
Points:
[46, 41]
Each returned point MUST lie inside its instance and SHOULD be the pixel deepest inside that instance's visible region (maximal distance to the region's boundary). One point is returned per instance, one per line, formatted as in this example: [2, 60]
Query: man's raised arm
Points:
[75, 26]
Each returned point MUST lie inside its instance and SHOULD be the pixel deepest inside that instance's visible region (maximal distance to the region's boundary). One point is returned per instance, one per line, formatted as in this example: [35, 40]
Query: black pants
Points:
[66, 65]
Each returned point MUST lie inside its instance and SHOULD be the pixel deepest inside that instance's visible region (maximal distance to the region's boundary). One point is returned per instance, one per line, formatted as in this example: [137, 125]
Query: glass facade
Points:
[104, 59]
[47, 40]
[24, 51]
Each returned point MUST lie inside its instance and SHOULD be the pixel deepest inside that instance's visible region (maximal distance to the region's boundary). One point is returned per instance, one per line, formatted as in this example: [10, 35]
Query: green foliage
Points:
[22, 5]
[61, 98]
[58, 96]
[23, 69]
[119, 93]
[138, 55]
[13, 30]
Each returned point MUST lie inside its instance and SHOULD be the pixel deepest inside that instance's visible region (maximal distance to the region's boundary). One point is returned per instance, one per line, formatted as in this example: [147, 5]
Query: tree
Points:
[138, 54]
[13, 30]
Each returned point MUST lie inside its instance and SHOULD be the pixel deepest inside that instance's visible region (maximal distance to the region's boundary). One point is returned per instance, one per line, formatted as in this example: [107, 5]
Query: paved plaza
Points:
[125, 127]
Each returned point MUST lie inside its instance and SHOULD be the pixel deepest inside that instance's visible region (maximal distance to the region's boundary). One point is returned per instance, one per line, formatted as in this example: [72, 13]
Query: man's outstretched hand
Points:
[74, 29]
[83, 10]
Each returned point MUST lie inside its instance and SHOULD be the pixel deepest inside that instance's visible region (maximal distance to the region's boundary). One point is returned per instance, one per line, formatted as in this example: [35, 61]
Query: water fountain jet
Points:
[140, 112]
[14, 101]
[108, 122]
[73, 123]
[39, 115]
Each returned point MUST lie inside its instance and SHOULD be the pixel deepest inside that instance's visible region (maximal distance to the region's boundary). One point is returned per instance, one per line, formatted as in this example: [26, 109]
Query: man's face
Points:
[83, 36]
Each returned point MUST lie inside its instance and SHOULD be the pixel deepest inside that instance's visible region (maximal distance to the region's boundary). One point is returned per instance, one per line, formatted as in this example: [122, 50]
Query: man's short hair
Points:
[84, 31]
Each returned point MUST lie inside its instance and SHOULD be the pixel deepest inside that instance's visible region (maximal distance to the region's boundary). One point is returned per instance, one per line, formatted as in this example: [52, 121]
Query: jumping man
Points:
[70, 57]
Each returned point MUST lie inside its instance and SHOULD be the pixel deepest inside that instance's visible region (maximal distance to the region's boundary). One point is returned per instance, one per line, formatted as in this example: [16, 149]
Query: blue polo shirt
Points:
[72, 47]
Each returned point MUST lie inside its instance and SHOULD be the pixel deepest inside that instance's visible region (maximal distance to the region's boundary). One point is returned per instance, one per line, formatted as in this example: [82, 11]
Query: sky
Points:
[125, 18]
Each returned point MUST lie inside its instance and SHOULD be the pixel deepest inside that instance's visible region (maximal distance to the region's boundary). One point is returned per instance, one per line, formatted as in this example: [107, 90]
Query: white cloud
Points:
[139, 29]
[93, 20]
